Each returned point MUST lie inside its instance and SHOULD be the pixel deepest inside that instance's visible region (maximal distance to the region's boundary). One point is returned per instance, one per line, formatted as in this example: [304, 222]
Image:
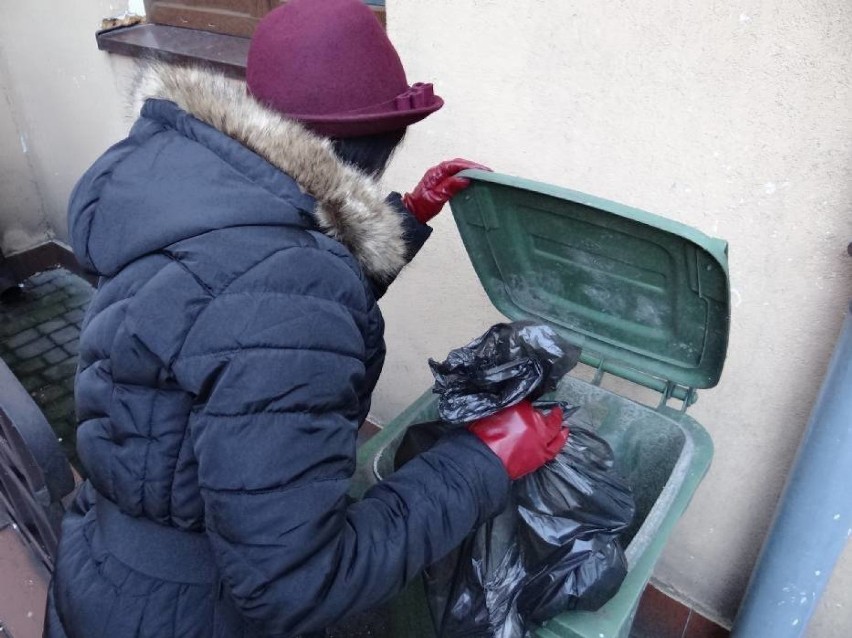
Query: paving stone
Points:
[65, 335]
[68, 425]
[72, 348]
[65, 370]
[46, 288]
[59, 410]
[32, 383]
[47, 275]
[49, 393]
[17, 324]
[55, 356]
[29, 366]
[32, 292]
[39, 339]
[75, 315]
[55, 297]
[80, 297]
[52, 326]
[22, 338]
[47, 313]
[10, 357]
[35, 348]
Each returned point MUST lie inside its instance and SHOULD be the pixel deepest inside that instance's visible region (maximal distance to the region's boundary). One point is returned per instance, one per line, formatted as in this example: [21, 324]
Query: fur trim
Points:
[350, 207]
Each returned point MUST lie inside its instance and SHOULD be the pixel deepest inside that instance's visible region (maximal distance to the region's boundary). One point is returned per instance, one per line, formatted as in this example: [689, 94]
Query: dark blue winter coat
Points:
[226, 363]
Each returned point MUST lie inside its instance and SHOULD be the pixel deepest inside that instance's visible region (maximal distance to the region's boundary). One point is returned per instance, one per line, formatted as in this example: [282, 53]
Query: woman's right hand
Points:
[438, 186]
[523, 437]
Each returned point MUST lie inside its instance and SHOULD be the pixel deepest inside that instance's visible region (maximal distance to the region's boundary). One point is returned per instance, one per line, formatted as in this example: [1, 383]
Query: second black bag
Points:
[553, 549]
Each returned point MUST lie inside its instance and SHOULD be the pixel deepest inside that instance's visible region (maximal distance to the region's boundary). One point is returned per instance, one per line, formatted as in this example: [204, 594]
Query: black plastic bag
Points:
[574, 510]
[508, 363]
[555, 547]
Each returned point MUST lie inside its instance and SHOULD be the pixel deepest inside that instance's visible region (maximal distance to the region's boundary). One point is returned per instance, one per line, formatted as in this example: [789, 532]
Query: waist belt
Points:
[158, 551]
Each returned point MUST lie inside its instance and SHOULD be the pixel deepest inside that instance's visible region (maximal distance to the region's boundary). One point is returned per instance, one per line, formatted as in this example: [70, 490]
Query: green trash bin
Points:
[648, 300]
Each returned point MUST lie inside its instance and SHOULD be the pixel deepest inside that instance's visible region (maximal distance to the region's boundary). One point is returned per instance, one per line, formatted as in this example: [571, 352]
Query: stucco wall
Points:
[734, 118]
[68, 100]
[22, 220]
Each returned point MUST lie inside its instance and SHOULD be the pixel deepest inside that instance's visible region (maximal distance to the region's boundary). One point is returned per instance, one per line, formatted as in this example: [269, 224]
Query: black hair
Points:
[368, 153]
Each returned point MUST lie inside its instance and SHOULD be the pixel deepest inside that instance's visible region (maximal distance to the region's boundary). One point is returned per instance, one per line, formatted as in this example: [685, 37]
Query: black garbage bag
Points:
[556, 546]
[510, 362]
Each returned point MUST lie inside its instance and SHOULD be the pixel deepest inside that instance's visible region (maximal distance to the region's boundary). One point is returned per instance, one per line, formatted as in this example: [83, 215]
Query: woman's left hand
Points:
[438, 186]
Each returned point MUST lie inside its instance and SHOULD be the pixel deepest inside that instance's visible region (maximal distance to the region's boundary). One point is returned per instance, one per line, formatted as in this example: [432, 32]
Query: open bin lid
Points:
[646, 298]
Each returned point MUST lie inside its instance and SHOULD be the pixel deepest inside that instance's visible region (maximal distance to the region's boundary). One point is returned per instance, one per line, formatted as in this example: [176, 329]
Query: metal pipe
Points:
[814, 517]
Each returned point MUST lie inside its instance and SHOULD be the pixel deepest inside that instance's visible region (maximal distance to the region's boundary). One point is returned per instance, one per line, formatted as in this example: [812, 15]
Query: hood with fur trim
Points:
[349, 205]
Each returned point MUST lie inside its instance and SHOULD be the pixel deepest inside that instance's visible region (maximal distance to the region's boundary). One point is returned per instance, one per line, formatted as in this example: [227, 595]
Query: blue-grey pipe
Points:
[814, 517]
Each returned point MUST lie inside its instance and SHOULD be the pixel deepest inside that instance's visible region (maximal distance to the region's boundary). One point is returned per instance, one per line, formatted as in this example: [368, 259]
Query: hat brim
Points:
[358, 124]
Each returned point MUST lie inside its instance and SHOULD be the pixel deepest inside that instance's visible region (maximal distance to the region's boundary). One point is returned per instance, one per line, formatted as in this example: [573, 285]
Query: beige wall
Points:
[734, 118]
[22, 220]
[68, 103]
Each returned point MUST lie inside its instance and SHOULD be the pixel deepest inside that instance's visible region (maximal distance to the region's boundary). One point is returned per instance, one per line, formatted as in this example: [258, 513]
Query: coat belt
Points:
[157, 551]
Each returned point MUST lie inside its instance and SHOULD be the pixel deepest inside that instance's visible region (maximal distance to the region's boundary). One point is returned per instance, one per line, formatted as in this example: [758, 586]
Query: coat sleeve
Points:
[278, 376]
[416, 235]
[416, 232]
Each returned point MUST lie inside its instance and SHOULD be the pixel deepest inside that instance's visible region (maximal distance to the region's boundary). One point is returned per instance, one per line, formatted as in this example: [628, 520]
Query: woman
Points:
[228, 357]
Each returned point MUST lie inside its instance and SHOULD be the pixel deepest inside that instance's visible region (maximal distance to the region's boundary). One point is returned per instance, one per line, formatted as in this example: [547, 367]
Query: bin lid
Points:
[645, 297]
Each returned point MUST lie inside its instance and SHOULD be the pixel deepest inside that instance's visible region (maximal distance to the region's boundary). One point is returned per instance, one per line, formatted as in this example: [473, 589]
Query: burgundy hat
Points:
[330, 65]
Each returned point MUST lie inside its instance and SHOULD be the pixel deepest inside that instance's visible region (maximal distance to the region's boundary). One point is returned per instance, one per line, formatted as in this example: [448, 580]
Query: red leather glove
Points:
[437, 187]
[524, 438]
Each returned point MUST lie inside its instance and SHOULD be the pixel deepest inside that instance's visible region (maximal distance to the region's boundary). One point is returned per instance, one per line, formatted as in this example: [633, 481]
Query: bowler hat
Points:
[330, 65]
